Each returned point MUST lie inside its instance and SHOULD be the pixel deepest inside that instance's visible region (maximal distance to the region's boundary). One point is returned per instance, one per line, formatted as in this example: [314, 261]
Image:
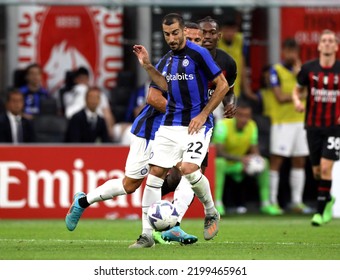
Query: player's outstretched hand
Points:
[196, 124]
[229, 110]
[142, 54]
[299, 107]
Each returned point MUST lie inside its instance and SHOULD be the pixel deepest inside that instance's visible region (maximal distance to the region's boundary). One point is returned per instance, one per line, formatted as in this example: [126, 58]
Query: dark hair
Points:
[266, 68]
[94, 88]
[81, 71]
[11, 91]
[230, 22]
[243, 103]
[192, 25]
[290, 43]
[33, 65]
[172, 18]
[211, 20]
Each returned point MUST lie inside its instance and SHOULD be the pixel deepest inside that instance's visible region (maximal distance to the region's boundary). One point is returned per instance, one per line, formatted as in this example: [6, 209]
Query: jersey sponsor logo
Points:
[325, 95]
[194, 157]
[179, 77]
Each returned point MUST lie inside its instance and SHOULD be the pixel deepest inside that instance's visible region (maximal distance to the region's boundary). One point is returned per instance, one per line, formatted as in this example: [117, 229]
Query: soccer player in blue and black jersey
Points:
[208, 29]
[186, 128]
[143, 132]
[321, 77]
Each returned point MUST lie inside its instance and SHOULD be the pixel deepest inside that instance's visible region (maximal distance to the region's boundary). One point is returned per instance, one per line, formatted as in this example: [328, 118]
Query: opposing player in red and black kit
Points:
[321, 77]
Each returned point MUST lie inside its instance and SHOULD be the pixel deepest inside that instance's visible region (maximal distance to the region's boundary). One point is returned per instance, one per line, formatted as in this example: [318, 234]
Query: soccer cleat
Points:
[270, 210]
[328, 211]
[143, 241]
[317, 220]
[157, 237]
[179, 235]
[301, 208]
[75, 212]
[211, 226]
[220, 209]
[278, 208]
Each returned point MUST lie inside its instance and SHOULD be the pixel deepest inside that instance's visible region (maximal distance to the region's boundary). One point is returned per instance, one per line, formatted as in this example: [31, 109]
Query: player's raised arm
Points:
[156, 99]
[143, 58]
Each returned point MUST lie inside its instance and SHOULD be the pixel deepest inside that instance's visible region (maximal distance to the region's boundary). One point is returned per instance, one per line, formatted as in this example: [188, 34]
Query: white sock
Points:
[183, 197]
[201, 187]
[152, 193]
[297, 182]
[108, 190]
[274, 186]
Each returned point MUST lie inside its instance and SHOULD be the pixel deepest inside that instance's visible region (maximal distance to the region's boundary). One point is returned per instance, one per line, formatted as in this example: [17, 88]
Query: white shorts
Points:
[173, 144]
[288, 140]
[137, 166]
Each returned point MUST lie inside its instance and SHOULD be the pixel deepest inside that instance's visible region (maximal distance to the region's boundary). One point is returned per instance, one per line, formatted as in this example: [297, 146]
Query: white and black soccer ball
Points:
[162, 215]
[255, 165]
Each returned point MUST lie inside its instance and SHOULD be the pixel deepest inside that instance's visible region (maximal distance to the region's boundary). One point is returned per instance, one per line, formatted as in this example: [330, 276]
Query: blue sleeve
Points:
[274, 78]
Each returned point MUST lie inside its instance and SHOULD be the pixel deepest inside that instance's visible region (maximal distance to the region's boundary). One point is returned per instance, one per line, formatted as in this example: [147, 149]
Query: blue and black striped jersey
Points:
[187, 73]
[147, 123]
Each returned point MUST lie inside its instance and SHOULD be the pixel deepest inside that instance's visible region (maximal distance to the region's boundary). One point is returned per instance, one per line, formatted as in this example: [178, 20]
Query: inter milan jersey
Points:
[228, 67]
[147, 123]
[323, 100]
[187, 73]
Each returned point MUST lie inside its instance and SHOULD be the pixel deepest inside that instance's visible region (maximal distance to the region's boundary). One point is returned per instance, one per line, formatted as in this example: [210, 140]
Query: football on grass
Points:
[162, 215]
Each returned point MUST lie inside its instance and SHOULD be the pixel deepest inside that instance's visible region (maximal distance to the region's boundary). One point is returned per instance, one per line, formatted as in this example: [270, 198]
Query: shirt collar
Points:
[13, 117]
[90, 114]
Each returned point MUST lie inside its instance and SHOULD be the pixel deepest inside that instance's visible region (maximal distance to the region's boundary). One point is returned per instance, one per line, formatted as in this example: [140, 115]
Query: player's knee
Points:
[194, 176]
[325, 172]
[174, 177]
[131, 185]
[188, 168]
[157, 171]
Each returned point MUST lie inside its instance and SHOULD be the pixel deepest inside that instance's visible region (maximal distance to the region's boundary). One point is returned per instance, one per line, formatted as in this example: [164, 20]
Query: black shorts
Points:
[205, 161]
[323, 143]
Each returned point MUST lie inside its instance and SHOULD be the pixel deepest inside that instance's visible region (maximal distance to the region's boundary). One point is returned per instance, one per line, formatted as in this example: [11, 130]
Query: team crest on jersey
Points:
[325, 80]
[185, 63]
[144, 171]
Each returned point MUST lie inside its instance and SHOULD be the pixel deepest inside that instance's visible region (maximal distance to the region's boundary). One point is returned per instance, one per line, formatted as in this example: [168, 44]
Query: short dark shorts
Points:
[323, 143]
[205, 161]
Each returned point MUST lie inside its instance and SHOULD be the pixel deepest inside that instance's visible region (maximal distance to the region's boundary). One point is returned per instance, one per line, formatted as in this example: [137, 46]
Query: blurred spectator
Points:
[265, 93]
[137, 102]
[33, 91]
[65, 90]
[288, 136]
[87, 126]
[2, 107]
[74, 100]
[232, 43]
[236, 143]
[14, 128]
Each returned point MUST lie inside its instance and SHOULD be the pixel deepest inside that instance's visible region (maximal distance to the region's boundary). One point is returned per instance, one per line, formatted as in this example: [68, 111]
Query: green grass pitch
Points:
[246, 237]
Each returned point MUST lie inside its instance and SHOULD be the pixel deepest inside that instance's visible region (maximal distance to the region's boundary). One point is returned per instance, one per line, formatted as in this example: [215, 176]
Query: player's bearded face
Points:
[174, 36]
